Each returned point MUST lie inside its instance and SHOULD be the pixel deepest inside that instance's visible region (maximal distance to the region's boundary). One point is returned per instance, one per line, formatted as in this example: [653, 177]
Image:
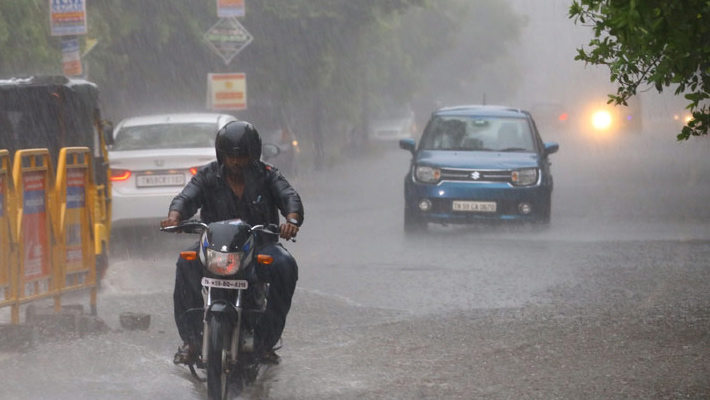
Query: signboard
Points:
[75, 203]
[230, 8]
[227, 38]
[67, 17]
[34, 226]
[71, 60]
[227, 91]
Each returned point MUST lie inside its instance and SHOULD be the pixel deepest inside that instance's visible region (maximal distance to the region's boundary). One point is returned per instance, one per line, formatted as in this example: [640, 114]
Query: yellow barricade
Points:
[34, 183]
[76, 241]
[50, 229]
[8, 239]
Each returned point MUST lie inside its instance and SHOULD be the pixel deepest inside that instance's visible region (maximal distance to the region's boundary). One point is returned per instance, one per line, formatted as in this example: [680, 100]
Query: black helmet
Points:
[238, 138]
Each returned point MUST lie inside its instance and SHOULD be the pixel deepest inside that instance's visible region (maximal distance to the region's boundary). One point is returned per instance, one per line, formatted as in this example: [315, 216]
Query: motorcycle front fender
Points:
[222, 308]
[229, 316]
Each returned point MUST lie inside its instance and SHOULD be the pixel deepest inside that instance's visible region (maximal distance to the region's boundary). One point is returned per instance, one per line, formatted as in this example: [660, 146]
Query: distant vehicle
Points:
[393, 123]
[597, 118]
[551, 117]
[477, 163]
[274, 126]
[153, 157]
[289, 149]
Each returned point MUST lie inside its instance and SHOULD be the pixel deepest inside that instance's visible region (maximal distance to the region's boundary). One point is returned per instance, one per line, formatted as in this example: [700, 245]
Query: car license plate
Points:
[479, 206]
[224, 283]
[160, 180]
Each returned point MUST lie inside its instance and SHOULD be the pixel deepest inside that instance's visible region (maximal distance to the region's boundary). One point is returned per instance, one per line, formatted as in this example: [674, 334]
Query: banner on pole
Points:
[71, 59]
[227, 91]
[67, 17]
[230, 8]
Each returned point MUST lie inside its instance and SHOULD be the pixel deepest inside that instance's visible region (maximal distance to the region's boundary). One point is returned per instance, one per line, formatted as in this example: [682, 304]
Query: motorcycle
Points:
[234, 300]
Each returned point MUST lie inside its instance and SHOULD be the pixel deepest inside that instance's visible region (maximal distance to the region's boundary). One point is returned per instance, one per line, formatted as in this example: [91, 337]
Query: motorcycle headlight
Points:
[223, 264]
[427, 174]
[524, 177]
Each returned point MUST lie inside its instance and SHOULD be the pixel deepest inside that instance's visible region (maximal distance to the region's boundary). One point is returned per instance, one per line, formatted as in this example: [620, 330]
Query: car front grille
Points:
[473, 175]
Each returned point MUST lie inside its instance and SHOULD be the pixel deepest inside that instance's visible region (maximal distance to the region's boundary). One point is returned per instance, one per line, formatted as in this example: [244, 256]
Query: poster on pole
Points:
[227, 91]
[230, 8]
[35, 240]
[67, 17]
[76, 203]
[71, 59]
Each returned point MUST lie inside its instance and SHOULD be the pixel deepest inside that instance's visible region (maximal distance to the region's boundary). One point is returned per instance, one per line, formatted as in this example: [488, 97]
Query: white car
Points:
[393, 124]
[153, 157]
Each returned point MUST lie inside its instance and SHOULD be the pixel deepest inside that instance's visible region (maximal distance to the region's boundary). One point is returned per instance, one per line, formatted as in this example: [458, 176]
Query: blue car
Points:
[477, 163]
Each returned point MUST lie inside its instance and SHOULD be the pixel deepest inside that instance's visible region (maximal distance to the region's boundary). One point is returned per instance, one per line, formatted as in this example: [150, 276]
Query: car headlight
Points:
[427, 174]
[524, 177]
[223, 264]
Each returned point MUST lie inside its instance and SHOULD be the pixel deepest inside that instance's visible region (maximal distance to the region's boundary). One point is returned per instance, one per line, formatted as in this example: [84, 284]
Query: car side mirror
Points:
[551, 148]
[269, 151]
[407, 144]
[107, 130]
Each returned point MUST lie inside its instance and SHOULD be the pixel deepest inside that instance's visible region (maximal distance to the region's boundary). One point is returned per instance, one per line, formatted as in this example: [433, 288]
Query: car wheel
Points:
[412, 223]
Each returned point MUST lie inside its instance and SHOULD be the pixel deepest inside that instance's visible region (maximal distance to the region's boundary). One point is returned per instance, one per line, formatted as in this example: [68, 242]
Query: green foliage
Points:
[656, 43]
[26, 46]
[337, 56]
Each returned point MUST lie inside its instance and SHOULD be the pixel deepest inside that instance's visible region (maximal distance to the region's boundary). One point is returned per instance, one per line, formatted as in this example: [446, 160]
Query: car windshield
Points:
[165, 136]
[478, 134]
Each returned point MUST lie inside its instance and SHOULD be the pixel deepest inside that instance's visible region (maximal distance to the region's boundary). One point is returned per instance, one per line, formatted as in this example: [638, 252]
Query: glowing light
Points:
[601, 120]
[118, 175]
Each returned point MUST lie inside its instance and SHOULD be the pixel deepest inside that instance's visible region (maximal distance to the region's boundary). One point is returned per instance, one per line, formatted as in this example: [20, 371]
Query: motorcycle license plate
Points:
[225, 283]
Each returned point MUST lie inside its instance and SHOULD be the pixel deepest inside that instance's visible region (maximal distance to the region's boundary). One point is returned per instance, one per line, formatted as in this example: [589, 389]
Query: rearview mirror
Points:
[551, 147]
[407, 144]
[107, 129]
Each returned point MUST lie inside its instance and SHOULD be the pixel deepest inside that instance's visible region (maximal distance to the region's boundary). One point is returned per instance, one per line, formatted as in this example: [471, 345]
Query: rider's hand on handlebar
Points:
[172, 220]
[288, 231]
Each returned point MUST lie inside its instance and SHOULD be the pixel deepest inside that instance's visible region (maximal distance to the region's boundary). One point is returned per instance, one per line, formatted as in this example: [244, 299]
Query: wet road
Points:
[608, 303]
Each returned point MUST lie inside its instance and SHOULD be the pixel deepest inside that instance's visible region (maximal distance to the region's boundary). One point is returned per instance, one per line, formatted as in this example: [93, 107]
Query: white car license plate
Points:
[224, 283]
[479, 206]
[160, 180]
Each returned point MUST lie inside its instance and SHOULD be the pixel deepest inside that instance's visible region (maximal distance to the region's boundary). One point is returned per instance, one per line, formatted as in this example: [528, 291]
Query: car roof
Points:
[178, 118]
[483, 110]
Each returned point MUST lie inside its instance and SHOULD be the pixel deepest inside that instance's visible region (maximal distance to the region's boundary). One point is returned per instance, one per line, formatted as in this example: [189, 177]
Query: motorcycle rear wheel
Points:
[220, 335]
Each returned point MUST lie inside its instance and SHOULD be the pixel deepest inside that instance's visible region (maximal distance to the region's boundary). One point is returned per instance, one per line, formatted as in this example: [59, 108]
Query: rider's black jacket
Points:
[266, 193]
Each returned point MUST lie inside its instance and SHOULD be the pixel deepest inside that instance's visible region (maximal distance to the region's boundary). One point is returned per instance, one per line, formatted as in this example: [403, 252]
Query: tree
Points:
[325, 61]
[26, 44]
[652, 44]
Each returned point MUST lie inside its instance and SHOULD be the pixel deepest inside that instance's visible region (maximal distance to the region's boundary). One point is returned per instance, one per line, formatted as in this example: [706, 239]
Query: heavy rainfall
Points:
[610, 301]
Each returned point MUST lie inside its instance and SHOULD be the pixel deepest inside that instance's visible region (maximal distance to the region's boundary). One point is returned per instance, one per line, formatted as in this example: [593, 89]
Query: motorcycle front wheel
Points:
[220, 335]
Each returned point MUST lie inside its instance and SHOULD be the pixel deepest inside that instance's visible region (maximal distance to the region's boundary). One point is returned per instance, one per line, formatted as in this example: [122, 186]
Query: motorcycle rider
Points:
[237, 185]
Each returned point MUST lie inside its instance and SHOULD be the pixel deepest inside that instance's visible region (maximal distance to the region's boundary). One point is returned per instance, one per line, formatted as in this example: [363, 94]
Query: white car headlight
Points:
[223, 264]
[427, 174]
[524, 177]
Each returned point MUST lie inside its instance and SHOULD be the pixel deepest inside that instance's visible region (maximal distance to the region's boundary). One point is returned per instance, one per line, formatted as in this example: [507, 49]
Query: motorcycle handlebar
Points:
[195, 226]
[271, 229]
[189, 226]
